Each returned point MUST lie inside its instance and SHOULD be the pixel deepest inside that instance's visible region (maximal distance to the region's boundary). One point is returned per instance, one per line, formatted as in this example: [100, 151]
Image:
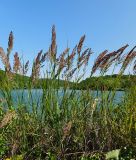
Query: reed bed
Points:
[75, 126]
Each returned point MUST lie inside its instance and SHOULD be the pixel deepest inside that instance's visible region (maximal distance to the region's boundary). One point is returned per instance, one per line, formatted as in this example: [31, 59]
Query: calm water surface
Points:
[34, 96]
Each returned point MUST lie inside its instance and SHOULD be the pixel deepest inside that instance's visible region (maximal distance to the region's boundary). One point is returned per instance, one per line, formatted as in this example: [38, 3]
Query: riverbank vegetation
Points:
[74, 125]
[107, 82]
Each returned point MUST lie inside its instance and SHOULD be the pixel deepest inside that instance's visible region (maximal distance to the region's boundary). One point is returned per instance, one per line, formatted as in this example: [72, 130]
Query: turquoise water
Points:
[30, 97]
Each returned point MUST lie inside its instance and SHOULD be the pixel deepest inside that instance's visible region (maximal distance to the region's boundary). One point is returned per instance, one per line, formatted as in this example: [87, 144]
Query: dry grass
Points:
[8, 117]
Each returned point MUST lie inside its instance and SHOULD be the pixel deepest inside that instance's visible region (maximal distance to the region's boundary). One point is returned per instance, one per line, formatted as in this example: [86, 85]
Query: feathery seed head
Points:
[10, 43]
[80, 44]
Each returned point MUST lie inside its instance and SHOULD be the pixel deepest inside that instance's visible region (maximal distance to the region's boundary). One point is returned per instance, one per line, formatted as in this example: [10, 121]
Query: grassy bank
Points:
[78, 126]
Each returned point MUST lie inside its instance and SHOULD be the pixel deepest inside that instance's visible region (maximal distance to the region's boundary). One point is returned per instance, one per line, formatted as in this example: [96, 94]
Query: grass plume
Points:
[51, 118]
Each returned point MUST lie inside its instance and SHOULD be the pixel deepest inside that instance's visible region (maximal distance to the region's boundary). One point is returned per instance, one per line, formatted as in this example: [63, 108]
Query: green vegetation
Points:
[108, 82]
[75, 125]
[23, 82]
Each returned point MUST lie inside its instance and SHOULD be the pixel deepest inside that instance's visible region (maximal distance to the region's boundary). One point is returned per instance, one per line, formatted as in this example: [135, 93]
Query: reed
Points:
[70, 125]
[17, 64]
[25, 68]
[129, 57]
[98, 61]
[80, 44]
[10, 43]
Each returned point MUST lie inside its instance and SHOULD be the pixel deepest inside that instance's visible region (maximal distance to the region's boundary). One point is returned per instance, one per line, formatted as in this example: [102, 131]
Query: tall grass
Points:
[70, 125]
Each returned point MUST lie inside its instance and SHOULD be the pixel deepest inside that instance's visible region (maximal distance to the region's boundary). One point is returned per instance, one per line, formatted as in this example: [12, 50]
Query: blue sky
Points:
[108, 24]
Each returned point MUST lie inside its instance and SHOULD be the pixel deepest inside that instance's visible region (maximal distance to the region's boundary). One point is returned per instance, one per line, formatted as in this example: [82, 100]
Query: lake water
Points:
[34, 96]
